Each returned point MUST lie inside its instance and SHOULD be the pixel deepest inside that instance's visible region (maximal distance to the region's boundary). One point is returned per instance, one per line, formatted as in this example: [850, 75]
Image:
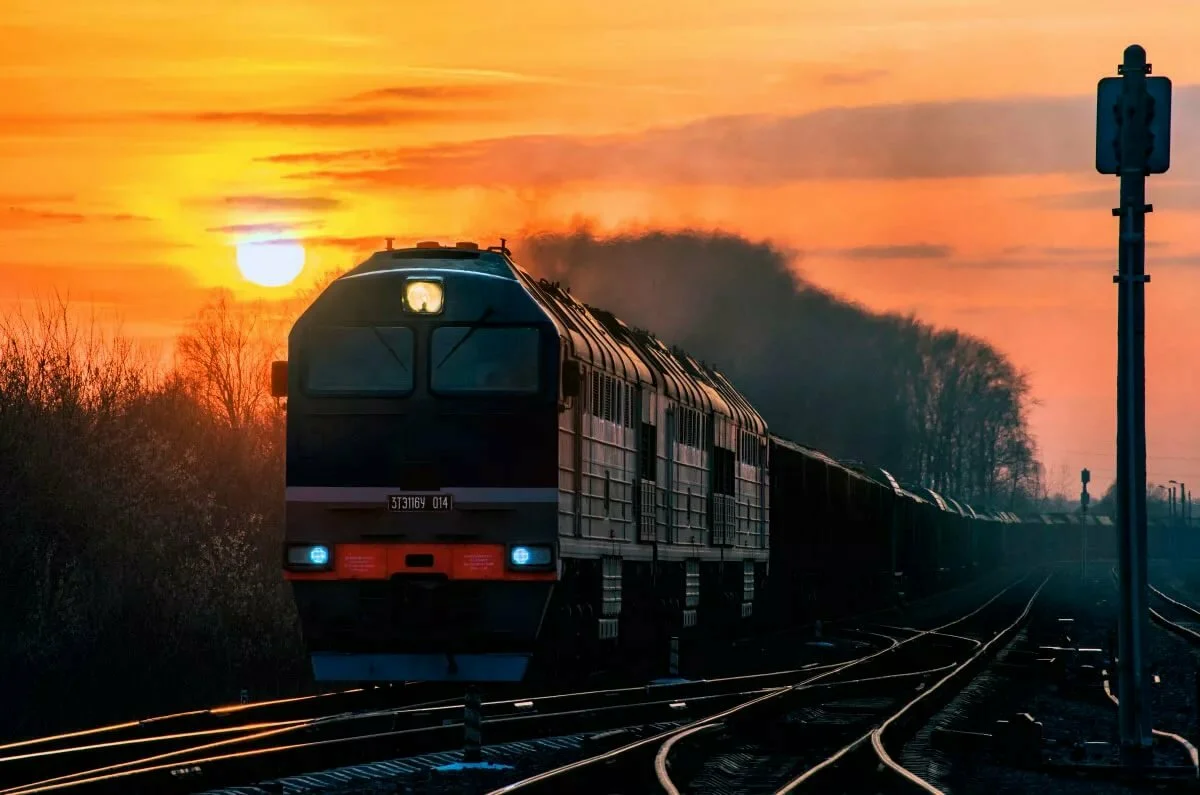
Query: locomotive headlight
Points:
[423, 296]
[526, 556]
[309, 556]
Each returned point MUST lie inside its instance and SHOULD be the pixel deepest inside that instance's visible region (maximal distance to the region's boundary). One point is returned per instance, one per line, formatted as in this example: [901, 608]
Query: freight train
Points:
[487, 478]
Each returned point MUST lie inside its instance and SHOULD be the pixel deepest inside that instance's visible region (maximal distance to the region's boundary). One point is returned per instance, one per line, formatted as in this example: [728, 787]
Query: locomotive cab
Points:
[421, 516]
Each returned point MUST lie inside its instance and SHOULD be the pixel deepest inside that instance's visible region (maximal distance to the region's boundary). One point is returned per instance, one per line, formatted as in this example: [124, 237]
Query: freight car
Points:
[488, 480]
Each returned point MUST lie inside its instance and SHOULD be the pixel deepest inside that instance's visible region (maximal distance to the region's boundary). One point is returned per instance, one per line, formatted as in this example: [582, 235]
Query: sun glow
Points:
[270, 264]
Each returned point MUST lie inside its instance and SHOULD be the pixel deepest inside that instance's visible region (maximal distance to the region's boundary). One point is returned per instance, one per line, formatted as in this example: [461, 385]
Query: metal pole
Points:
[1084, 499]
[1134, 717]
[472, 727]
[1083, 543]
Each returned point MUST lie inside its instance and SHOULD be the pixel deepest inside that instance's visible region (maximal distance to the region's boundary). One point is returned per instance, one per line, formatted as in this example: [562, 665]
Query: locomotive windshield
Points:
[468, 359]
[360, 360]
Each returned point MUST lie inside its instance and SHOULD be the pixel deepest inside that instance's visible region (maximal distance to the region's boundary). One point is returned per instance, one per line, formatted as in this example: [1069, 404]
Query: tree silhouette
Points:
[225, 355]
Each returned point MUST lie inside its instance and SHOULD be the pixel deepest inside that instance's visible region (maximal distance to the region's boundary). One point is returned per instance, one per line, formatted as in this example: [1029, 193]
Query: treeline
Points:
[141, 523]
[933, 406]
[1161, 504]
[142, 510]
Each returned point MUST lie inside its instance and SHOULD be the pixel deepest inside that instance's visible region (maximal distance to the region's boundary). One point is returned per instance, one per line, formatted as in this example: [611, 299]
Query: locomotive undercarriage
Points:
[609, 615]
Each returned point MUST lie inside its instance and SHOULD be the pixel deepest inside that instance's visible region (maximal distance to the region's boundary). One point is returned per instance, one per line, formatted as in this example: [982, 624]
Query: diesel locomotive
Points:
[487, 478]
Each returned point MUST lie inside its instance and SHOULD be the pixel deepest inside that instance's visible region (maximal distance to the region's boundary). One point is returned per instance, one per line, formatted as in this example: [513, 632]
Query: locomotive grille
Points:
[724, 530]
[648, 516]
[691, 583]
[611, 586]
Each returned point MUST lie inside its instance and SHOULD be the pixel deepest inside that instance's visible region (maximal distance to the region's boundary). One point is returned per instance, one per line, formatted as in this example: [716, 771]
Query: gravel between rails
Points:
[1066, 697]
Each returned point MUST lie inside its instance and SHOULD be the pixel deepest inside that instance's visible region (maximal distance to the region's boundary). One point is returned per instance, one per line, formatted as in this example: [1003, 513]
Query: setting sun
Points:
[270, 264]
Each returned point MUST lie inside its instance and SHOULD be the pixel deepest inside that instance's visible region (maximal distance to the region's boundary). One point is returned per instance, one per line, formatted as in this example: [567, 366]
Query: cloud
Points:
[25, 217]
[356, 243]
[272, 228]
[931, 140]
[435, 93]
[324, 157]
[274, 203]
[411, 104]
[1182, 195]
[912, 251]
[853, 78]
[1176, 259]
[35, 198]
[316, 118]
[1073, 251]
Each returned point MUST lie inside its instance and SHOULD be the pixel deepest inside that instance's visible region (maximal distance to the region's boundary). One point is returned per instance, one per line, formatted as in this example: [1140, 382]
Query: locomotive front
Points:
[422, 479]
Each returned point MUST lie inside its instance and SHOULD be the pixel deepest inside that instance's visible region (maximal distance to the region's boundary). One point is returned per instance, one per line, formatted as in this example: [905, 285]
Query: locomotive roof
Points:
[599, 338]
[445, 258]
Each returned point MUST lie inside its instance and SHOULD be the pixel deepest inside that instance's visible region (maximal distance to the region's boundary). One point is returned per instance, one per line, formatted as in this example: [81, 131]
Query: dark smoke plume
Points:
[823, 371]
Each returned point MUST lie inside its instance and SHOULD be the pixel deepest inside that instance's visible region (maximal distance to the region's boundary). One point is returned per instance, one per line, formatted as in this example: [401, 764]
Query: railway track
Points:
[207, 749]
[692, 756]
[213, 720]
[1176, 616]
[185, 761]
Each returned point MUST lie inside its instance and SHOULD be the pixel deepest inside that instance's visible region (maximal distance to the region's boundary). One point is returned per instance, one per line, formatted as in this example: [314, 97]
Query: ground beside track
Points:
[1066, 696]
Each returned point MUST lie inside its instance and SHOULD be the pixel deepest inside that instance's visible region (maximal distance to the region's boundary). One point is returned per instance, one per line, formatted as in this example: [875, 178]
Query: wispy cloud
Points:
[268, 228]
[356, 243]
[1072, 251]
[24, 217]
[932, 140]
[12, 199]
[325, 157]
[264, 203]
[853, 78]
[1183, 195]
[448, 92]
[373, 117]
[1177, 259]
[902, 251]
[393, 104]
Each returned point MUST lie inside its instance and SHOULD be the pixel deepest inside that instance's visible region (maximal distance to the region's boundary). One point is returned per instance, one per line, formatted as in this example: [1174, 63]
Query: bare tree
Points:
[224, 356]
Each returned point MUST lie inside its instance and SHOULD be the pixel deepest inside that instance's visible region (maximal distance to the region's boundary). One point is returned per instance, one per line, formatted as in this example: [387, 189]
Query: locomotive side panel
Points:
[610, 458]
[689, 477]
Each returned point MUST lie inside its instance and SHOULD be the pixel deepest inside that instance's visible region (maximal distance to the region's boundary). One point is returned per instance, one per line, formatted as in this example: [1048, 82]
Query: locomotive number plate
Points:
[420, 503]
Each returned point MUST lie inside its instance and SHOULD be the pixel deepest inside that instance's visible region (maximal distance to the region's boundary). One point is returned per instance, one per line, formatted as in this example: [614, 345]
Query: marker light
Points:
[309, 556]
[424, 297]
[529, 556]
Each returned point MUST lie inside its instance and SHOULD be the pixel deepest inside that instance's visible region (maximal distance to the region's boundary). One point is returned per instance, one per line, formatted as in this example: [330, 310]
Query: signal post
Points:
[1084, 499]
[1133, 140]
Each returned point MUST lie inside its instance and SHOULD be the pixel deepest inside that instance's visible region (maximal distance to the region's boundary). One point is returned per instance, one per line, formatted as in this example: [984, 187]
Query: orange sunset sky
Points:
[924, 155]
